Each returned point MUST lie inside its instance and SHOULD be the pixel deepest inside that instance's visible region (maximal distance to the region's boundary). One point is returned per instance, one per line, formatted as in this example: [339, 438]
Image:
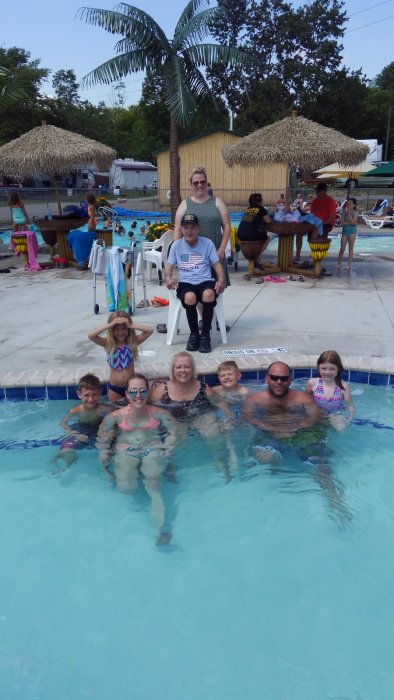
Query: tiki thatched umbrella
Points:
[48, 149]
[295, 141]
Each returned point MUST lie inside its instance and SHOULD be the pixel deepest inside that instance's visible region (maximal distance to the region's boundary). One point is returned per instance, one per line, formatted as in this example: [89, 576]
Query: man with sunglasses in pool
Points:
[194, 256]
[279, 411]
[288, 421]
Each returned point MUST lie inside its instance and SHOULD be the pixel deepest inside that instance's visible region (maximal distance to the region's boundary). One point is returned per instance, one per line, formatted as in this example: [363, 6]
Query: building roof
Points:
[199, 136]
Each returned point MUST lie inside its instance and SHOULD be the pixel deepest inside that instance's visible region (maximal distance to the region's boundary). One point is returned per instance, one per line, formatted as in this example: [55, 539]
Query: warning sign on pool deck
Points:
[253, 351]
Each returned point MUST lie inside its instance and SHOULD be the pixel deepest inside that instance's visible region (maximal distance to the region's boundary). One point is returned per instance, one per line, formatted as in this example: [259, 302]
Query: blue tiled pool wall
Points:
[24, 393]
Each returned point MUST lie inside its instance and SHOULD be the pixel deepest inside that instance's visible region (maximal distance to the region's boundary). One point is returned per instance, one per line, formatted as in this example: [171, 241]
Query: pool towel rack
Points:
[98, 264]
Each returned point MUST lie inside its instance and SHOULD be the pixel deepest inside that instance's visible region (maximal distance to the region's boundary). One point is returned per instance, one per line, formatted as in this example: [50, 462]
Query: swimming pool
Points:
[263, 593]
[366, 242]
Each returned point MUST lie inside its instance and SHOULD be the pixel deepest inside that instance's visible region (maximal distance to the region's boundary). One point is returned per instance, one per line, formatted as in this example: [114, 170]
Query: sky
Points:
[49, 30]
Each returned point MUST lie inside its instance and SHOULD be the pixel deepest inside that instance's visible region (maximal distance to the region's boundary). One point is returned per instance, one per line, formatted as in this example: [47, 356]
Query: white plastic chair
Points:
[155, 253]
[174, 312]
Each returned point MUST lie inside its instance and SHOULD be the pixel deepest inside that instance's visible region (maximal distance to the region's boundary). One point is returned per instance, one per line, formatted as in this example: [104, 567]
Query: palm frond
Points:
[199, 87]
[118, 67]
[190, 10]
[146, 21]
[210, 54]
[5, 72]
[197, 28]
[9, 96]
[152, 49]
[133, 23]
[179, 99]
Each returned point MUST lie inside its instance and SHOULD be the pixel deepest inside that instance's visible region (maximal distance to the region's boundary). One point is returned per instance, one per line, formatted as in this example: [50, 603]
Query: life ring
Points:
[168, 195]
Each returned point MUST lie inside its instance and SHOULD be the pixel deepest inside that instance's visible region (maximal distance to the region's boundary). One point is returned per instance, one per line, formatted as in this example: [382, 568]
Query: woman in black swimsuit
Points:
[191, 402]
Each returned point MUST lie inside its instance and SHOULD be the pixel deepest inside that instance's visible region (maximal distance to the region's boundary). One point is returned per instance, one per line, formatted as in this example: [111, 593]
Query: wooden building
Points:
[233, 185]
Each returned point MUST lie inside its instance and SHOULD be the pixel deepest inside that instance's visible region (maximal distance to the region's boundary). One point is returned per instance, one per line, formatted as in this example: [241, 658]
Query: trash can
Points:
[116, 191]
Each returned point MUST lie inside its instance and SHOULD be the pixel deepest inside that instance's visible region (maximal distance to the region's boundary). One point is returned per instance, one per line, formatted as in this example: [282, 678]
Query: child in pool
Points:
[233, 394]
[349, 231]
[331, 394]
[119, 229]
[121, 344]
[91, 202]
[19, 214]
[230, 389]
[107, 222]
[81, 422]
[142, 436]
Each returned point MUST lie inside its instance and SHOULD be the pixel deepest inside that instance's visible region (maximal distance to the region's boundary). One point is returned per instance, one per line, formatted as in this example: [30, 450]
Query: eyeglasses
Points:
[279, 377]
[133, 393]
[199, 182]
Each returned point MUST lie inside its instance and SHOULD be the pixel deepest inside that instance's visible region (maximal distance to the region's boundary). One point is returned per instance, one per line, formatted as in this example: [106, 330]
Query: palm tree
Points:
[144, 45]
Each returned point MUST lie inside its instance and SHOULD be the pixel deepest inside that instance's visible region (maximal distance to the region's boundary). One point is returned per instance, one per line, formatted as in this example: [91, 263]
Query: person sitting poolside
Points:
[194, 256]
[252, 225]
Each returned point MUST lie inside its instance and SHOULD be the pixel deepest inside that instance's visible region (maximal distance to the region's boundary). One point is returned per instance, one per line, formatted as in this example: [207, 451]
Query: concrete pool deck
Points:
[46, 317]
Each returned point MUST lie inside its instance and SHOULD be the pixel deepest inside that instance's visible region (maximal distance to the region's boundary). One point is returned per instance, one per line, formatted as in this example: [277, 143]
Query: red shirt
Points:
[324, 208]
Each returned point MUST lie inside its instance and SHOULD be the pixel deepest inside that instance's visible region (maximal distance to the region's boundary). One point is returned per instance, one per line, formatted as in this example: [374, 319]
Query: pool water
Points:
[365, 243]
[263, 593]
[117, 240]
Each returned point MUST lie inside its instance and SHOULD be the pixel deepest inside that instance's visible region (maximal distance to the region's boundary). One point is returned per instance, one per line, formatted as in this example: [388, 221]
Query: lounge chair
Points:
[378, 222]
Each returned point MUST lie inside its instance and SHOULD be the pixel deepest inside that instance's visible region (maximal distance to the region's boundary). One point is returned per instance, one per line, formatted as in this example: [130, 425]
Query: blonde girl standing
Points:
[121, 344]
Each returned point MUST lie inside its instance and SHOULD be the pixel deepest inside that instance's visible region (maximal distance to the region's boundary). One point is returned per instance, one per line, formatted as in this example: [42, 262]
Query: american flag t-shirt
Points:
[190, 261]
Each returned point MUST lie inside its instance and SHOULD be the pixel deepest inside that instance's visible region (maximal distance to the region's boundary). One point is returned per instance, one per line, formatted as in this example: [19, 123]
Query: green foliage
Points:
[296, 51]
[22, 78]
[66, 87]
[385, 79]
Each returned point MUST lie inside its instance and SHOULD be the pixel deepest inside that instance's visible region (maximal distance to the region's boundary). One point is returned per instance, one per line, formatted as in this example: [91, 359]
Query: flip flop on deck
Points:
[270, 278]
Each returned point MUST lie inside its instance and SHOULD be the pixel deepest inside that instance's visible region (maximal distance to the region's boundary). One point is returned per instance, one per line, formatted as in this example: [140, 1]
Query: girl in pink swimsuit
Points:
[121, 344]
[143, 435]
[330, 392]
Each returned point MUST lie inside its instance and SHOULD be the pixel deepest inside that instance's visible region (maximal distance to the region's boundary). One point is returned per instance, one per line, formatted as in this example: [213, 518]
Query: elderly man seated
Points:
[194, 256]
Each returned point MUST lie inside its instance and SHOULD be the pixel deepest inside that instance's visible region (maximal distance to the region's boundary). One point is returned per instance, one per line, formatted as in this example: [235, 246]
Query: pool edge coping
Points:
[205, 366]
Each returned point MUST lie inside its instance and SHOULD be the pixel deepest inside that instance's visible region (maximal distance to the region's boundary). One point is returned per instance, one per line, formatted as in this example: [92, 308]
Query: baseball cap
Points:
[189, 219]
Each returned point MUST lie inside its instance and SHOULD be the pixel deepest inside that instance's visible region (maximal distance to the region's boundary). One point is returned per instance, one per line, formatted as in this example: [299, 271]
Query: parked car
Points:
[371, 181]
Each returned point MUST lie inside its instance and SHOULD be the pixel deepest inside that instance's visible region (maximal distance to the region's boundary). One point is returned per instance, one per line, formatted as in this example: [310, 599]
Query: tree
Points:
[17, 117]
[385, 79]
[64, 82]
[177, 61]
[297, 53]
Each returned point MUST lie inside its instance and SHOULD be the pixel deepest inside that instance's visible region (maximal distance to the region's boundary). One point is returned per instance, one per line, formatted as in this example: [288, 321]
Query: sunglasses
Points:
[279, 377]
[133, 393]
[199, 182]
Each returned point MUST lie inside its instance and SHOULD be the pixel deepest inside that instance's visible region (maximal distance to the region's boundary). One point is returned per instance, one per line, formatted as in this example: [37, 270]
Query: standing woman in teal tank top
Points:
[212, 214]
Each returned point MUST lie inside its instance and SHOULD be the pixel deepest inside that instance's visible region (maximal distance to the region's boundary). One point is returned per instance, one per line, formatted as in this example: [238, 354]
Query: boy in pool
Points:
[234, 394]
[82, 422]
[230, 389]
